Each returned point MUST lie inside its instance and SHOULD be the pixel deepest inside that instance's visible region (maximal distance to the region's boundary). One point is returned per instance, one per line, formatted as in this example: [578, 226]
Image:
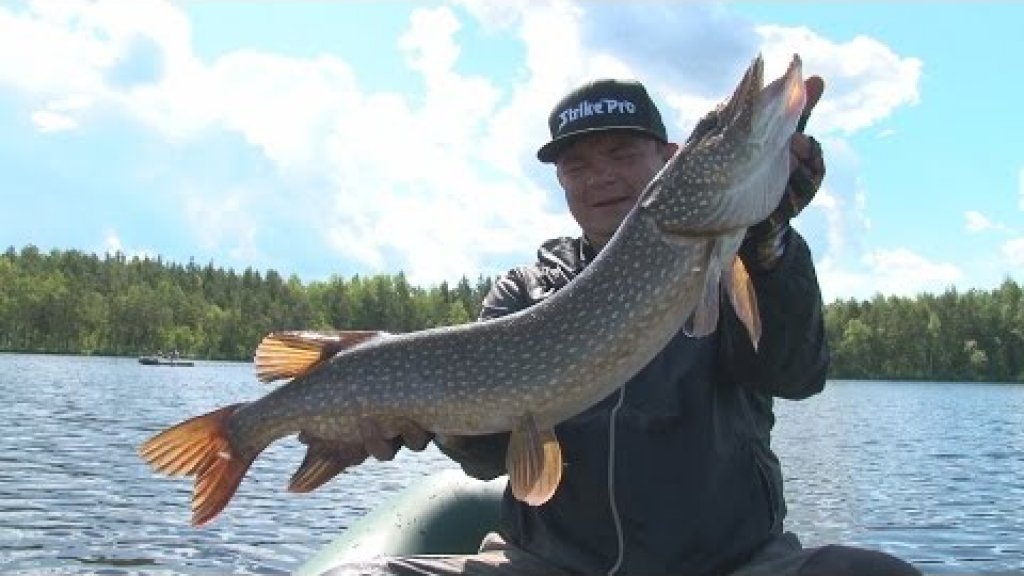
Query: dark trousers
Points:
[784, 556]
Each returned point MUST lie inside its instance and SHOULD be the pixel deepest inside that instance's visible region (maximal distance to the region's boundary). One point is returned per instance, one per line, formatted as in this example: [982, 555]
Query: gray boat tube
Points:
[447, 513]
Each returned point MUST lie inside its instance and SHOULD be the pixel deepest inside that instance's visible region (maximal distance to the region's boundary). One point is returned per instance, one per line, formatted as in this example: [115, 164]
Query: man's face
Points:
[603, 174]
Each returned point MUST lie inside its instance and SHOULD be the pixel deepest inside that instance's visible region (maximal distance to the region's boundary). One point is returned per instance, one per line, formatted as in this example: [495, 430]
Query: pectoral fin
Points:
[291, 354]
[744, 300]
[704, 320]
[534, 462]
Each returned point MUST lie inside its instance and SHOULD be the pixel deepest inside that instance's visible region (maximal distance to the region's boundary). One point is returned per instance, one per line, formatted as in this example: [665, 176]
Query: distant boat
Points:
[164, 361]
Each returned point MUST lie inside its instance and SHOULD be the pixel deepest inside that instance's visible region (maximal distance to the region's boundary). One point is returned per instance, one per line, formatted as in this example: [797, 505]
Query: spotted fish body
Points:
[530, 370]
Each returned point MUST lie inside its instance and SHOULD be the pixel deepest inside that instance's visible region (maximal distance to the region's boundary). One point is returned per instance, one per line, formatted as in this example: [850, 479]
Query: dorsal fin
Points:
[291, 354]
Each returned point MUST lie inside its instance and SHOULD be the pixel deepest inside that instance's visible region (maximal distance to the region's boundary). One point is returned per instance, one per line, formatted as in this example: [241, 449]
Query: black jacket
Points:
[677, 463]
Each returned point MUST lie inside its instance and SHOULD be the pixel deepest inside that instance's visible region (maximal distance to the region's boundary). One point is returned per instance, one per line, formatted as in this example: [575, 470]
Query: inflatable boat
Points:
[447, 513]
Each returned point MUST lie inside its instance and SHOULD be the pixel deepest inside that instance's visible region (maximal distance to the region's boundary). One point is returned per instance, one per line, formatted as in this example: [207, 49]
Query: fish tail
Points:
[201, 447]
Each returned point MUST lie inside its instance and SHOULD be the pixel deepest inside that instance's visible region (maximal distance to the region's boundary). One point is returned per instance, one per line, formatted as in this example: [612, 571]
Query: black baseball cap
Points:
[599, 106]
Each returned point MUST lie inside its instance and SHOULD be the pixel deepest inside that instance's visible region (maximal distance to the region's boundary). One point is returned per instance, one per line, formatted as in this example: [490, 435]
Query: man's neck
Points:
[596, 244]
[589, 248]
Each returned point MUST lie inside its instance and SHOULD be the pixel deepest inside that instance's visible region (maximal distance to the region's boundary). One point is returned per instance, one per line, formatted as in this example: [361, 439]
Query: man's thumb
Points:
[814, 86]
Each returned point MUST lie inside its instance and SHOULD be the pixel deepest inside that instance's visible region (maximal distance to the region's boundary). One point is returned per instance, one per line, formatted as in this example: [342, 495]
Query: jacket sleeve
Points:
[483, 457]
[793, 356]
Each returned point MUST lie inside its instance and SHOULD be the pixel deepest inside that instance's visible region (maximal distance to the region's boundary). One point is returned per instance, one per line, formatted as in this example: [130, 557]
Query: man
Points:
[673, 473]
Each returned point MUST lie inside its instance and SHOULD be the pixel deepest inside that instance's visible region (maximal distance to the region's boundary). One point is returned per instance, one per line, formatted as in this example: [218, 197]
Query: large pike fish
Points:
[528, 371]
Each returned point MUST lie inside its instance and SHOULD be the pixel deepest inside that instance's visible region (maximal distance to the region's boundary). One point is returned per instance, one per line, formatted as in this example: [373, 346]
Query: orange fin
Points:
[744, 300]
[318, 467]
[534, 462]
[284, 355]
[200, 447]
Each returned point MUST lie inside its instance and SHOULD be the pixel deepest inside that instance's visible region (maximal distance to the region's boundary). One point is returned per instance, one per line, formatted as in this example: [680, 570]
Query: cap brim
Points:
[549, 152]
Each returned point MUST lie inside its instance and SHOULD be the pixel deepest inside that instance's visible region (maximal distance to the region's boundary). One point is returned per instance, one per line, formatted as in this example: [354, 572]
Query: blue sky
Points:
[321, 138]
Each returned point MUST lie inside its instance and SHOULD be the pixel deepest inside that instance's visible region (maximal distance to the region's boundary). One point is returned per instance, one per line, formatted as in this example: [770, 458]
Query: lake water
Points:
[932, 472]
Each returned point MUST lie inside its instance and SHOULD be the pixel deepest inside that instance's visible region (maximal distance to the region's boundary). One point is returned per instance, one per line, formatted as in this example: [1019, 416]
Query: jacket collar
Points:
[568, 255]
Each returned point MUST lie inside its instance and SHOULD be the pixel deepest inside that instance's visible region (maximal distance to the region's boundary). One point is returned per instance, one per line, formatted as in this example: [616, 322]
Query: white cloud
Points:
[283, 106]
[887, 271]
[1013, 250]
[73, 44]
[1014, 253]
[224, 221]
[112, 244]
[59, 115]
[411, 187]
[62, 61]
[495, 16]
[836, 223]
[900, 265]
[428, 43]
[977, 222]
[416, 184]
[72, 103]
[865, 80]
[1020, 189]
[444, 181]
[50, 121]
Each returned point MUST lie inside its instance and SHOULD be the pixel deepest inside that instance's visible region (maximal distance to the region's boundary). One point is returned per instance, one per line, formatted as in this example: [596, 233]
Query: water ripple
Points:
[931, 472]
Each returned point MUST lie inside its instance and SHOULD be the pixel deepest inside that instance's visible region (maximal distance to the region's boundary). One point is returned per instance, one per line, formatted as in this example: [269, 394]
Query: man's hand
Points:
[806, 172]
[766, 241]
[806, 163]
[372, 442]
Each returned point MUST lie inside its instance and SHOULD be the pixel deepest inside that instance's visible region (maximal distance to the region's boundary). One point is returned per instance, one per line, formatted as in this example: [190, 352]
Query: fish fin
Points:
[534, 462]
[704, 319]
[282, 355]
[720, 275]
[744, 300]
[317, 468]
[200, 447]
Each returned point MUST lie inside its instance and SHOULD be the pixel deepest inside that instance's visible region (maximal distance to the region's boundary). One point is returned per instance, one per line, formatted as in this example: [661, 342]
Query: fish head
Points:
[732, 171]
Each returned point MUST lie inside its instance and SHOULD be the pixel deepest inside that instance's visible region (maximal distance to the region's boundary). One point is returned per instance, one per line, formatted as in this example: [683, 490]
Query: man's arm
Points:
[482, 457]
[792, 357]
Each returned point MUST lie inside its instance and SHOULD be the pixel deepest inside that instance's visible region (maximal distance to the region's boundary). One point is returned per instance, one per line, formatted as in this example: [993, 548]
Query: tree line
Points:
[974, 336]
[73, 302]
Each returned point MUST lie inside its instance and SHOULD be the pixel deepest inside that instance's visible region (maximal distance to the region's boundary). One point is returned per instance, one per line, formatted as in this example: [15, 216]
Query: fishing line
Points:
[611, 481]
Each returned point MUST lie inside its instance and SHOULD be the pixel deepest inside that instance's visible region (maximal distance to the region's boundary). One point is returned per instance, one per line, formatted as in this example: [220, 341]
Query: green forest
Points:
[73, 302]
